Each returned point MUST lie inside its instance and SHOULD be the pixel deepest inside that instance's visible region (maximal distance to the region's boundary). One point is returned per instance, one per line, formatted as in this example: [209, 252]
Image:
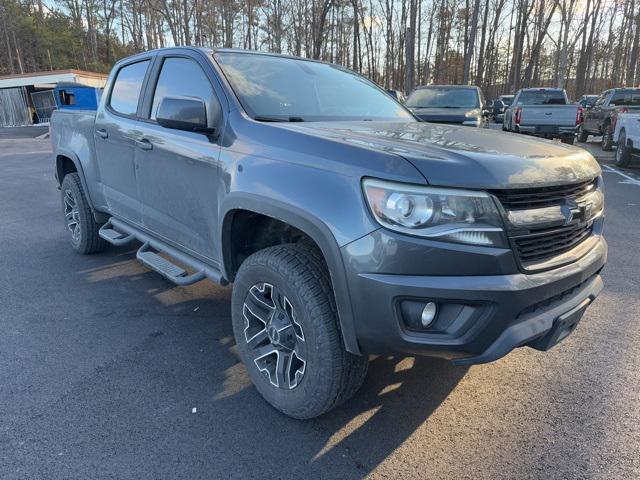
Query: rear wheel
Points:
[81, 225]
[583, 135]
[607, 139]
[287, 333]
[623, 152]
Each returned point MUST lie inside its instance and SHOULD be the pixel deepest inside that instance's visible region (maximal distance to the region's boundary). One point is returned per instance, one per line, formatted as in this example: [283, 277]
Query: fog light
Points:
[428, 314]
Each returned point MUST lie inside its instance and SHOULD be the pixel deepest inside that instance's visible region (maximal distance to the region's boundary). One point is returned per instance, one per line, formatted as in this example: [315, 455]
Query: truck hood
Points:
[456, 156]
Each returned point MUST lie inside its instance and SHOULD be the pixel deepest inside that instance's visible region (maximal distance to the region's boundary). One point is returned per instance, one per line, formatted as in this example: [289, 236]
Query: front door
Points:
[116, 128]
[178, 170]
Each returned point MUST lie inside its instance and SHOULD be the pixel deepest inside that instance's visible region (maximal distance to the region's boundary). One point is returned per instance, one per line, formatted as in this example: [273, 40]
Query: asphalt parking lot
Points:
[109, 371]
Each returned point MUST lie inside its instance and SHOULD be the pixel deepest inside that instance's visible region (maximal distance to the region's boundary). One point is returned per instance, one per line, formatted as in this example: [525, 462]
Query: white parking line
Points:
[628, 178]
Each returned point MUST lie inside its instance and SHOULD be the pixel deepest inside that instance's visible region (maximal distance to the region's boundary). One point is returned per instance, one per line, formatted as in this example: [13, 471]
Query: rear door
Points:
[116, 129]
[178, 170]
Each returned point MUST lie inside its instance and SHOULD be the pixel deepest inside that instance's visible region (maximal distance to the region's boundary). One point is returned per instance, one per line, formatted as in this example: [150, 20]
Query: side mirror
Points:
[179, 113]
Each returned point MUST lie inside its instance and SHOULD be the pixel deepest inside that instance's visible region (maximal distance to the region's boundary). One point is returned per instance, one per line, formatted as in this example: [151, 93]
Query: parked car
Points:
[543, 112]
[506, 99]
[397, 94]
[601, 118]
[587, 101]
[455, 104]
[496, 109]
[627, 138]
[347, 226]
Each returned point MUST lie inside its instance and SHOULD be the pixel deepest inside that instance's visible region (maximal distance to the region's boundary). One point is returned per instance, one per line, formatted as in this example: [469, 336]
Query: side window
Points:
[127, 87]
[181, 77]
[601, 98]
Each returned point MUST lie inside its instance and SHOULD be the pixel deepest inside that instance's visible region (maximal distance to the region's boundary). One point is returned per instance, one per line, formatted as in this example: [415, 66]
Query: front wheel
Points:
[607, 139]
[623, 152]
[287, 333]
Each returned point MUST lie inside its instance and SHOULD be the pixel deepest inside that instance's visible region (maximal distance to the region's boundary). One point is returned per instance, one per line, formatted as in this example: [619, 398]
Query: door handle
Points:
[144, 144]
[102, 133]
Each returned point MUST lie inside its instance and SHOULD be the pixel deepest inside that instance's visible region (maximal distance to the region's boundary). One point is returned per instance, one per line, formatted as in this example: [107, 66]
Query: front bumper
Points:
[492, 308]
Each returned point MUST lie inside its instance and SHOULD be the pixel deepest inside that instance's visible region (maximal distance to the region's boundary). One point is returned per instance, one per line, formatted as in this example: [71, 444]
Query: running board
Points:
[121, 232]
[108, 233]
[167, 269]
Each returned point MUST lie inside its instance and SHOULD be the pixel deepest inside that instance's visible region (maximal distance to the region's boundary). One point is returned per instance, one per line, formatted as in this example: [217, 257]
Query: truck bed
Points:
[549, 115]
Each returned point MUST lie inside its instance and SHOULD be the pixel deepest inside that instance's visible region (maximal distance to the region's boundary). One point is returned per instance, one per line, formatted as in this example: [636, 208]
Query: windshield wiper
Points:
[278, 119]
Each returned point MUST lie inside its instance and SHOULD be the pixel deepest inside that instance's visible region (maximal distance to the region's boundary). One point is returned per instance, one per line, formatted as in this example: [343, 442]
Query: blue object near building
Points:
[75, 96]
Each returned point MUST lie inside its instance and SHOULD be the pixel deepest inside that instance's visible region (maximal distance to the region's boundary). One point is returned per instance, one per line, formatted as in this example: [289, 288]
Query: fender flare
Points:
[62, 152]
[311, 226]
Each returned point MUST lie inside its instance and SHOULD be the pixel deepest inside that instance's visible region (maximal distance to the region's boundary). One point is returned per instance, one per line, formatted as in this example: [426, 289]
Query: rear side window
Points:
[127, 88]
[542, 97]
[181, 77]
[626, 97]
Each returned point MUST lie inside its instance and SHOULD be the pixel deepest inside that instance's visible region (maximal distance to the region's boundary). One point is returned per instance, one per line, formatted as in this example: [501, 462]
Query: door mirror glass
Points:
[188, 114]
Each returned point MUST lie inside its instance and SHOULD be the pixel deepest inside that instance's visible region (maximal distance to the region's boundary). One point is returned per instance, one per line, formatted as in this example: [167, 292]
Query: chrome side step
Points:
[118, 232]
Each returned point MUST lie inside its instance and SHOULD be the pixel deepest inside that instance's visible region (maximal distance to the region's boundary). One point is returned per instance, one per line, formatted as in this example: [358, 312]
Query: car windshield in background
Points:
[542, 97]
[626, 98]
[272, 88]
[507, 99]
[437, 97]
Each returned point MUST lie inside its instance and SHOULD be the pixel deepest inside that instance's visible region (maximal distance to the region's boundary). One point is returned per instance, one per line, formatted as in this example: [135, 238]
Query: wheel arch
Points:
[68, 162]
[311, 227]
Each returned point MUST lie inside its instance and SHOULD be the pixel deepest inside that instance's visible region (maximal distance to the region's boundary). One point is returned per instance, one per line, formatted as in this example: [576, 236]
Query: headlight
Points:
[473, 113]
[460, 216]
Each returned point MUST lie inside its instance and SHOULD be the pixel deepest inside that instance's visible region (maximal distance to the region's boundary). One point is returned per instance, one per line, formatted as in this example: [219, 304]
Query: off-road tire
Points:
[88, 241]
[607, 139]
[583, 135]
[332, 375]
[623, 153]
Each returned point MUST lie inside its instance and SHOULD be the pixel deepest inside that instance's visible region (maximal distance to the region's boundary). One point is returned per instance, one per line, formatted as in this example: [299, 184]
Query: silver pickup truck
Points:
[347, 227]
[543, 112]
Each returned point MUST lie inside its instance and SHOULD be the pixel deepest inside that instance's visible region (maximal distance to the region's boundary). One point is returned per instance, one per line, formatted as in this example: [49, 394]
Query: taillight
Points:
[580, 116]
[518, 115]
[624, 110]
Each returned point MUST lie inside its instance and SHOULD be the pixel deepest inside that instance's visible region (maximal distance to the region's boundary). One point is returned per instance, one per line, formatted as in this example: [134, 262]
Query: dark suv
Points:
[347, 227]
[600, 119]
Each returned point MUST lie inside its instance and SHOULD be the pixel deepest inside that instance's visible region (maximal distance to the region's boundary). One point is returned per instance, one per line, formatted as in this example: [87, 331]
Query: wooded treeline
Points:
[500, 45]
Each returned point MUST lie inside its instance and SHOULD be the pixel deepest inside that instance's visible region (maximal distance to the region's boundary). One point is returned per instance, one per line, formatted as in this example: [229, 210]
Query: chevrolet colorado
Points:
[347, 227]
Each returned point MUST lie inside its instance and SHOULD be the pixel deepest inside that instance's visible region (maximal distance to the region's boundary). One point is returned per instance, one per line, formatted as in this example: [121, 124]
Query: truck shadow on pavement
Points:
[187, 357]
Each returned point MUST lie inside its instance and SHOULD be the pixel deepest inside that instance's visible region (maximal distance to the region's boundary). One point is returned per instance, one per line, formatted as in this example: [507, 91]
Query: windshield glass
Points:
[542, 97]
[626, 97]
[443, 97]
[274, 88]
[507, 99]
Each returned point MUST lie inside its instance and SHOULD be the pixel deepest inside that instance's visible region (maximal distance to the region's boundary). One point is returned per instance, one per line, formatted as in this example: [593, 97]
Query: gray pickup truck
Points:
[543, 112]
[347, 226]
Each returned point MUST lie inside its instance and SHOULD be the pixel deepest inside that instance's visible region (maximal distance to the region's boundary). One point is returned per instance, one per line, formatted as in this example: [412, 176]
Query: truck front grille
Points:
[540, 243]
[526, 198]
[545, 244]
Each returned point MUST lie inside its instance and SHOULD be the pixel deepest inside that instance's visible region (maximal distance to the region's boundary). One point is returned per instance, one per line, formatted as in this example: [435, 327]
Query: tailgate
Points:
[556, 115]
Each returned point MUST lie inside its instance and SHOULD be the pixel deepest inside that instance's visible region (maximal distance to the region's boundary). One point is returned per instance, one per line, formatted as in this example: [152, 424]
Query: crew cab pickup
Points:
[543, 112]
[627, 137]
[347, 226]
[601, 118]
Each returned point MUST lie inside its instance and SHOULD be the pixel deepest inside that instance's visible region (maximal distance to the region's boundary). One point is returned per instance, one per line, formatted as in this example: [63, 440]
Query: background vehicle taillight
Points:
[580, 116]
[624, 110]
[518, 115]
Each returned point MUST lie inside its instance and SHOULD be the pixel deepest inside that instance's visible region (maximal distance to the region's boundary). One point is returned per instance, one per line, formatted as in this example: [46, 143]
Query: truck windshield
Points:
[444, 97]
[626, 98]
[542, 97]
[272, 88]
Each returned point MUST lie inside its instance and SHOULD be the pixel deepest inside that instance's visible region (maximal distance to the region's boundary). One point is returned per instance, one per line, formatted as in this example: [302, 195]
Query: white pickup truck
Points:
[543, 112]
[627, 137]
